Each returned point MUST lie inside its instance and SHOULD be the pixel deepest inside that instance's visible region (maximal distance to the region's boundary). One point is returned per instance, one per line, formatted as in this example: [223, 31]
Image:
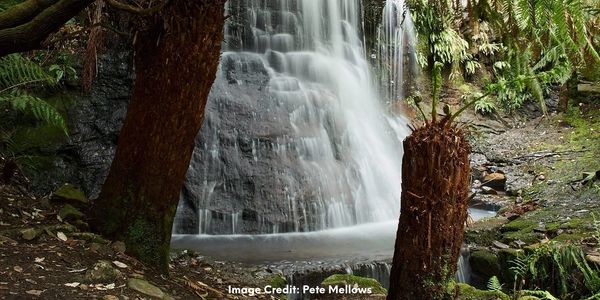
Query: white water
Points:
[396, 41]
[348, 147]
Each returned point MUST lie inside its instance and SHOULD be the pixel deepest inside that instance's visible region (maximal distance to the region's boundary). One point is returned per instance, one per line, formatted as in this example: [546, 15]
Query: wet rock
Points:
[495, 180]
[69, 213]
[102, 272]
[29, 234]
[488, 190]
[69, 194]
[146, 288]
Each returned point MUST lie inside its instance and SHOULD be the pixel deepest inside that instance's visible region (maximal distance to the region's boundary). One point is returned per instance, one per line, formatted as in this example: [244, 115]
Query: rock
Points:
[488, 190]
[467, 292]
[119, 247]
[593, 258]
[541, 177]
[89, 237]
[361, 282]
[500, 245]
[102, 272]
[29, 234]
[69, 213]
[145, 287]
[495, 180]
[110, 297]
[101, 248]
[69, 194]
[485, 262]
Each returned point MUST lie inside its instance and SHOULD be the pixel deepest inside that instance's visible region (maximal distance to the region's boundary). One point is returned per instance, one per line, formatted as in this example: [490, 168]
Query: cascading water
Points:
[295, 137]
[396, 42]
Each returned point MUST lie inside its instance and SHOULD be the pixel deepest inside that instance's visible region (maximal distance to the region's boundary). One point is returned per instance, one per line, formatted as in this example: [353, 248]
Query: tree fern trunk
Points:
[435, 187]
[176, 59]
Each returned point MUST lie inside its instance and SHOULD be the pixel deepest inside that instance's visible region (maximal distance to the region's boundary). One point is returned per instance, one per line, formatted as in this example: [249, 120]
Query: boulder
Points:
[495, 180]
[485, 262]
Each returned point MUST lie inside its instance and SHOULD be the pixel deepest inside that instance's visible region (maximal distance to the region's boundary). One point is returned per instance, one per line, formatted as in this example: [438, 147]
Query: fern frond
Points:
[41, 109]
[17, 71]
[494, 284]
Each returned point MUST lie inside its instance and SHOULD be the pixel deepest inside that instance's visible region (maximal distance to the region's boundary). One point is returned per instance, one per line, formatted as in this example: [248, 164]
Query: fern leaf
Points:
[41, 109]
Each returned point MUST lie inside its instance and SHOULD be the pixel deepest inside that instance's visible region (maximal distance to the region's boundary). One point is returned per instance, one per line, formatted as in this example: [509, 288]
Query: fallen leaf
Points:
[119, 264]
[72, 284]
[34, 292]
[18, 269]
[61, 236]
[39, 259]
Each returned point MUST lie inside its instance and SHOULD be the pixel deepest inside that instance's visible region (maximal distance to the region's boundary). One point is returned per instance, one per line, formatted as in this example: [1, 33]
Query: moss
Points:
[467, 292]
[69, 213]
[69, 193]
[144, 241]
[277, 281]
[505, 260]
[485, 262]
[362, 282]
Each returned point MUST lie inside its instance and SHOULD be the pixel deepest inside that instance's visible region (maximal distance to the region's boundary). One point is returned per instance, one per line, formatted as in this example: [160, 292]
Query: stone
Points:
[110, 297]
[69, 213]
[485, 262]
[495, 180]
[488, 190]
[119, 247]
[145, 287]
[102, 272]
[500, 245]
[69, 194]
[593, 258]
[353, 280]
[101, 248]
[29, 234]
[541, 177]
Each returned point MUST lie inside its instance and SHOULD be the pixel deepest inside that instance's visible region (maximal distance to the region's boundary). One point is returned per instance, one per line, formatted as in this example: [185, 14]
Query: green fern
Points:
[17, 76]
[494, 284]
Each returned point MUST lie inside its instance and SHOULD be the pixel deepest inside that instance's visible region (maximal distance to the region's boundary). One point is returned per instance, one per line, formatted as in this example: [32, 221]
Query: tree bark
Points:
[435, 188]
[176, 59]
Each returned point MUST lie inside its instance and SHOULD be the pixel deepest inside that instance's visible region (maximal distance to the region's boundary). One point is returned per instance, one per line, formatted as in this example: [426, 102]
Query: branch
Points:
[30, 35]
[137, 10]
[23, 12]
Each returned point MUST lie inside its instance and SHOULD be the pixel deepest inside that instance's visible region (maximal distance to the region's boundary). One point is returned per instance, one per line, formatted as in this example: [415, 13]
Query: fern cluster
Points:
[18, 76]
[554, 269]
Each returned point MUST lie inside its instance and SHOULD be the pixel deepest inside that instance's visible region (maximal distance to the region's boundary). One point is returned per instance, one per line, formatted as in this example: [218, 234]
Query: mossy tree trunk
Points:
[435, 195]
[176, 58]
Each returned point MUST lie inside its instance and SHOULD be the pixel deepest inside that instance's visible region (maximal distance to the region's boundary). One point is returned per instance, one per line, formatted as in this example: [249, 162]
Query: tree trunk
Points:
[176, 59]
[435, 188]
[567, 91]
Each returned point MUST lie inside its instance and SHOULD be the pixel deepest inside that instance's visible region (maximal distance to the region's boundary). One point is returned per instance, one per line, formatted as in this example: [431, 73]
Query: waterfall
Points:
[396, 42]
[295, 136]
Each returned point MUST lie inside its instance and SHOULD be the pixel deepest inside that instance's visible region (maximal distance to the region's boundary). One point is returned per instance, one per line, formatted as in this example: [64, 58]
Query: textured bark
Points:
[176, 59]
[29, 36]
[435, 188]
[23, 12]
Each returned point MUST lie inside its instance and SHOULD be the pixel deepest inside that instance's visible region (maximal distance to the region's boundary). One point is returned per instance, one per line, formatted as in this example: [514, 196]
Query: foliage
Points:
[560, 269]
[17, 76]
[494, 284]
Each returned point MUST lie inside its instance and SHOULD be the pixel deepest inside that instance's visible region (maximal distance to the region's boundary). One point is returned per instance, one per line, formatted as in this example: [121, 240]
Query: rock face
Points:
[96, 119]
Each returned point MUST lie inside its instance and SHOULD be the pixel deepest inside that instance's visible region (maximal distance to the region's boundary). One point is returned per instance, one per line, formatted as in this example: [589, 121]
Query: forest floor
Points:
[46, 251]
[551, 168]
